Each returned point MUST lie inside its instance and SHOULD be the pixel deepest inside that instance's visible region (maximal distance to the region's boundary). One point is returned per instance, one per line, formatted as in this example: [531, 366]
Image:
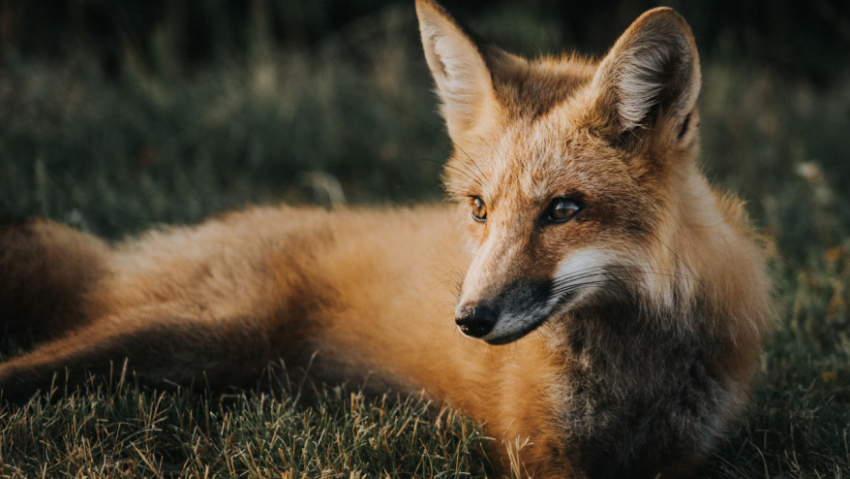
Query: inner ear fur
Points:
[462, 68]
[649, 82]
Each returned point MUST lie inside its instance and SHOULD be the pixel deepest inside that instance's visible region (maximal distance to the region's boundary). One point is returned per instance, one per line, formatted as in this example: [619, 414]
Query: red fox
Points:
[632, 295]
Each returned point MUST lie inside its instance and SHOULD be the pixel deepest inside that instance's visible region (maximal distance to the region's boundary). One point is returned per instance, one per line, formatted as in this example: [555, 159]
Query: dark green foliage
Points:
[117, 151]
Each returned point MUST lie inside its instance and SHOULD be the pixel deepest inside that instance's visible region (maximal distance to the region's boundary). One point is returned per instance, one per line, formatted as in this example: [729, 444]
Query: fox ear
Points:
[464, 81]
[651, 78]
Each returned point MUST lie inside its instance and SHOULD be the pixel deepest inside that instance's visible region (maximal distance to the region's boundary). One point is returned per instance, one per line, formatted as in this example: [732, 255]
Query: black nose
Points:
[476, 321]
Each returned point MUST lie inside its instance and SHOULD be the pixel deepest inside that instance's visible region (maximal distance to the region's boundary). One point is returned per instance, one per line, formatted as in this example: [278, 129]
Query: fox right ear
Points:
[651, 78]
[464, 82]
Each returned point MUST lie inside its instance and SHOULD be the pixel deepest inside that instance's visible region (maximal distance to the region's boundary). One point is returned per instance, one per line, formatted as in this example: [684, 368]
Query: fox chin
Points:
[632, 295]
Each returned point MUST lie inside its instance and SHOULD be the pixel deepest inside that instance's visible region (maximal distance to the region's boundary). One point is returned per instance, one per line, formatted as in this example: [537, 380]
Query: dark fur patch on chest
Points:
[642, 392]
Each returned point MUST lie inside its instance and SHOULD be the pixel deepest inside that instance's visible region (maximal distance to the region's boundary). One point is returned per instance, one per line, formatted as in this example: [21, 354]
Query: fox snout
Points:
[499, 310]
[516, 310]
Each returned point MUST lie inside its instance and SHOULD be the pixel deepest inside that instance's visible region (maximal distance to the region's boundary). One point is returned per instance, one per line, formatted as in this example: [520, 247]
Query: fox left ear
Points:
[651, 79]
[464, 81]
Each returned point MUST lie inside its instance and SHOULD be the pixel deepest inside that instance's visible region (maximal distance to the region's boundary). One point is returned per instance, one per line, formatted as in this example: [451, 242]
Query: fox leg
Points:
[47, 270]
[171, 349]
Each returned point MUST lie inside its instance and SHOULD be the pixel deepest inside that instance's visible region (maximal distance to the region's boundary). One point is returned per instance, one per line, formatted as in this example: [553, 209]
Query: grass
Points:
[132, 432]
[355, 112]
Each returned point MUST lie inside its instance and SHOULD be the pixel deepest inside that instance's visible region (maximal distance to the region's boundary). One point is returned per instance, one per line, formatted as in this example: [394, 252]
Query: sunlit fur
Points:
[634, 328]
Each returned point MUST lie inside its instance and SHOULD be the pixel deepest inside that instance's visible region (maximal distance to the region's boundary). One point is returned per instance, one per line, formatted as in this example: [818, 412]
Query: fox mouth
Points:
[531, 326]
[509, 338]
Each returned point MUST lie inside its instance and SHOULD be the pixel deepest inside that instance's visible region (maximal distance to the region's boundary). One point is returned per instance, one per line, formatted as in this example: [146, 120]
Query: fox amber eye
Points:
[562, 210]
[479, 209]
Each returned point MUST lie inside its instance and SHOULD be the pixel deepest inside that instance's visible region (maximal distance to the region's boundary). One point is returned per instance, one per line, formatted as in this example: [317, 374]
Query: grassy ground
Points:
[115, 157]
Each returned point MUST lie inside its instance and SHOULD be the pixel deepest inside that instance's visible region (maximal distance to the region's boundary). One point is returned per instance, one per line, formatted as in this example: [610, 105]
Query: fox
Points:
[612, 304]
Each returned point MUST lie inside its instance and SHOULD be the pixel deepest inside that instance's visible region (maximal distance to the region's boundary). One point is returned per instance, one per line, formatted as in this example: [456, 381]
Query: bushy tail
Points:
[47, 272]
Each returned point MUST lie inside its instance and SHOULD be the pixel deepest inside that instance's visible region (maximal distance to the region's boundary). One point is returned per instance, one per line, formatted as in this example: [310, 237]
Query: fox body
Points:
[615, 302]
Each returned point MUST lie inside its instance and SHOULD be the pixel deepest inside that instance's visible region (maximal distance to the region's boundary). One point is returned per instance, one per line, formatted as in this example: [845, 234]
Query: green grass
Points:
[115, 157]
[132, 432]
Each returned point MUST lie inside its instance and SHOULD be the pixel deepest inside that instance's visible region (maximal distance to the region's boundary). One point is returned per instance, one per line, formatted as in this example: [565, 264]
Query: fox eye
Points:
[562, 210]
[479, 209]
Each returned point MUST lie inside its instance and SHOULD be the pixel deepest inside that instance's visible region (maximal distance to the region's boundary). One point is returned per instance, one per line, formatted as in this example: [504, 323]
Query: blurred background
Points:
[117, 114]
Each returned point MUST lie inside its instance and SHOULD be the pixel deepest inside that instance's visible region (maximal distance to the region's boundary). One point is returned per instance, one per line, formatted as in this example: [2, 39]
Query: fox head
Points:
[569, 173]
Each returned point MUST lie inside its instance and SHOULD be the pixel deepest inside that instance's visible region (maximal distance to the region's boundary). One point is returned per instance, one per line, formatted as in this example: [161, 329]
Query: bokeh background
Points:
[119, 114]
[116, 114]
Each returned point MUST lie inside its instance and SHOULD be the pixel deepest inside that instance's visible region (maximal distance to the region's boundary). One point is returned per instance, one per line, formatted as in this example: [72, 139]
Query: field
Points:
[352, 119]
